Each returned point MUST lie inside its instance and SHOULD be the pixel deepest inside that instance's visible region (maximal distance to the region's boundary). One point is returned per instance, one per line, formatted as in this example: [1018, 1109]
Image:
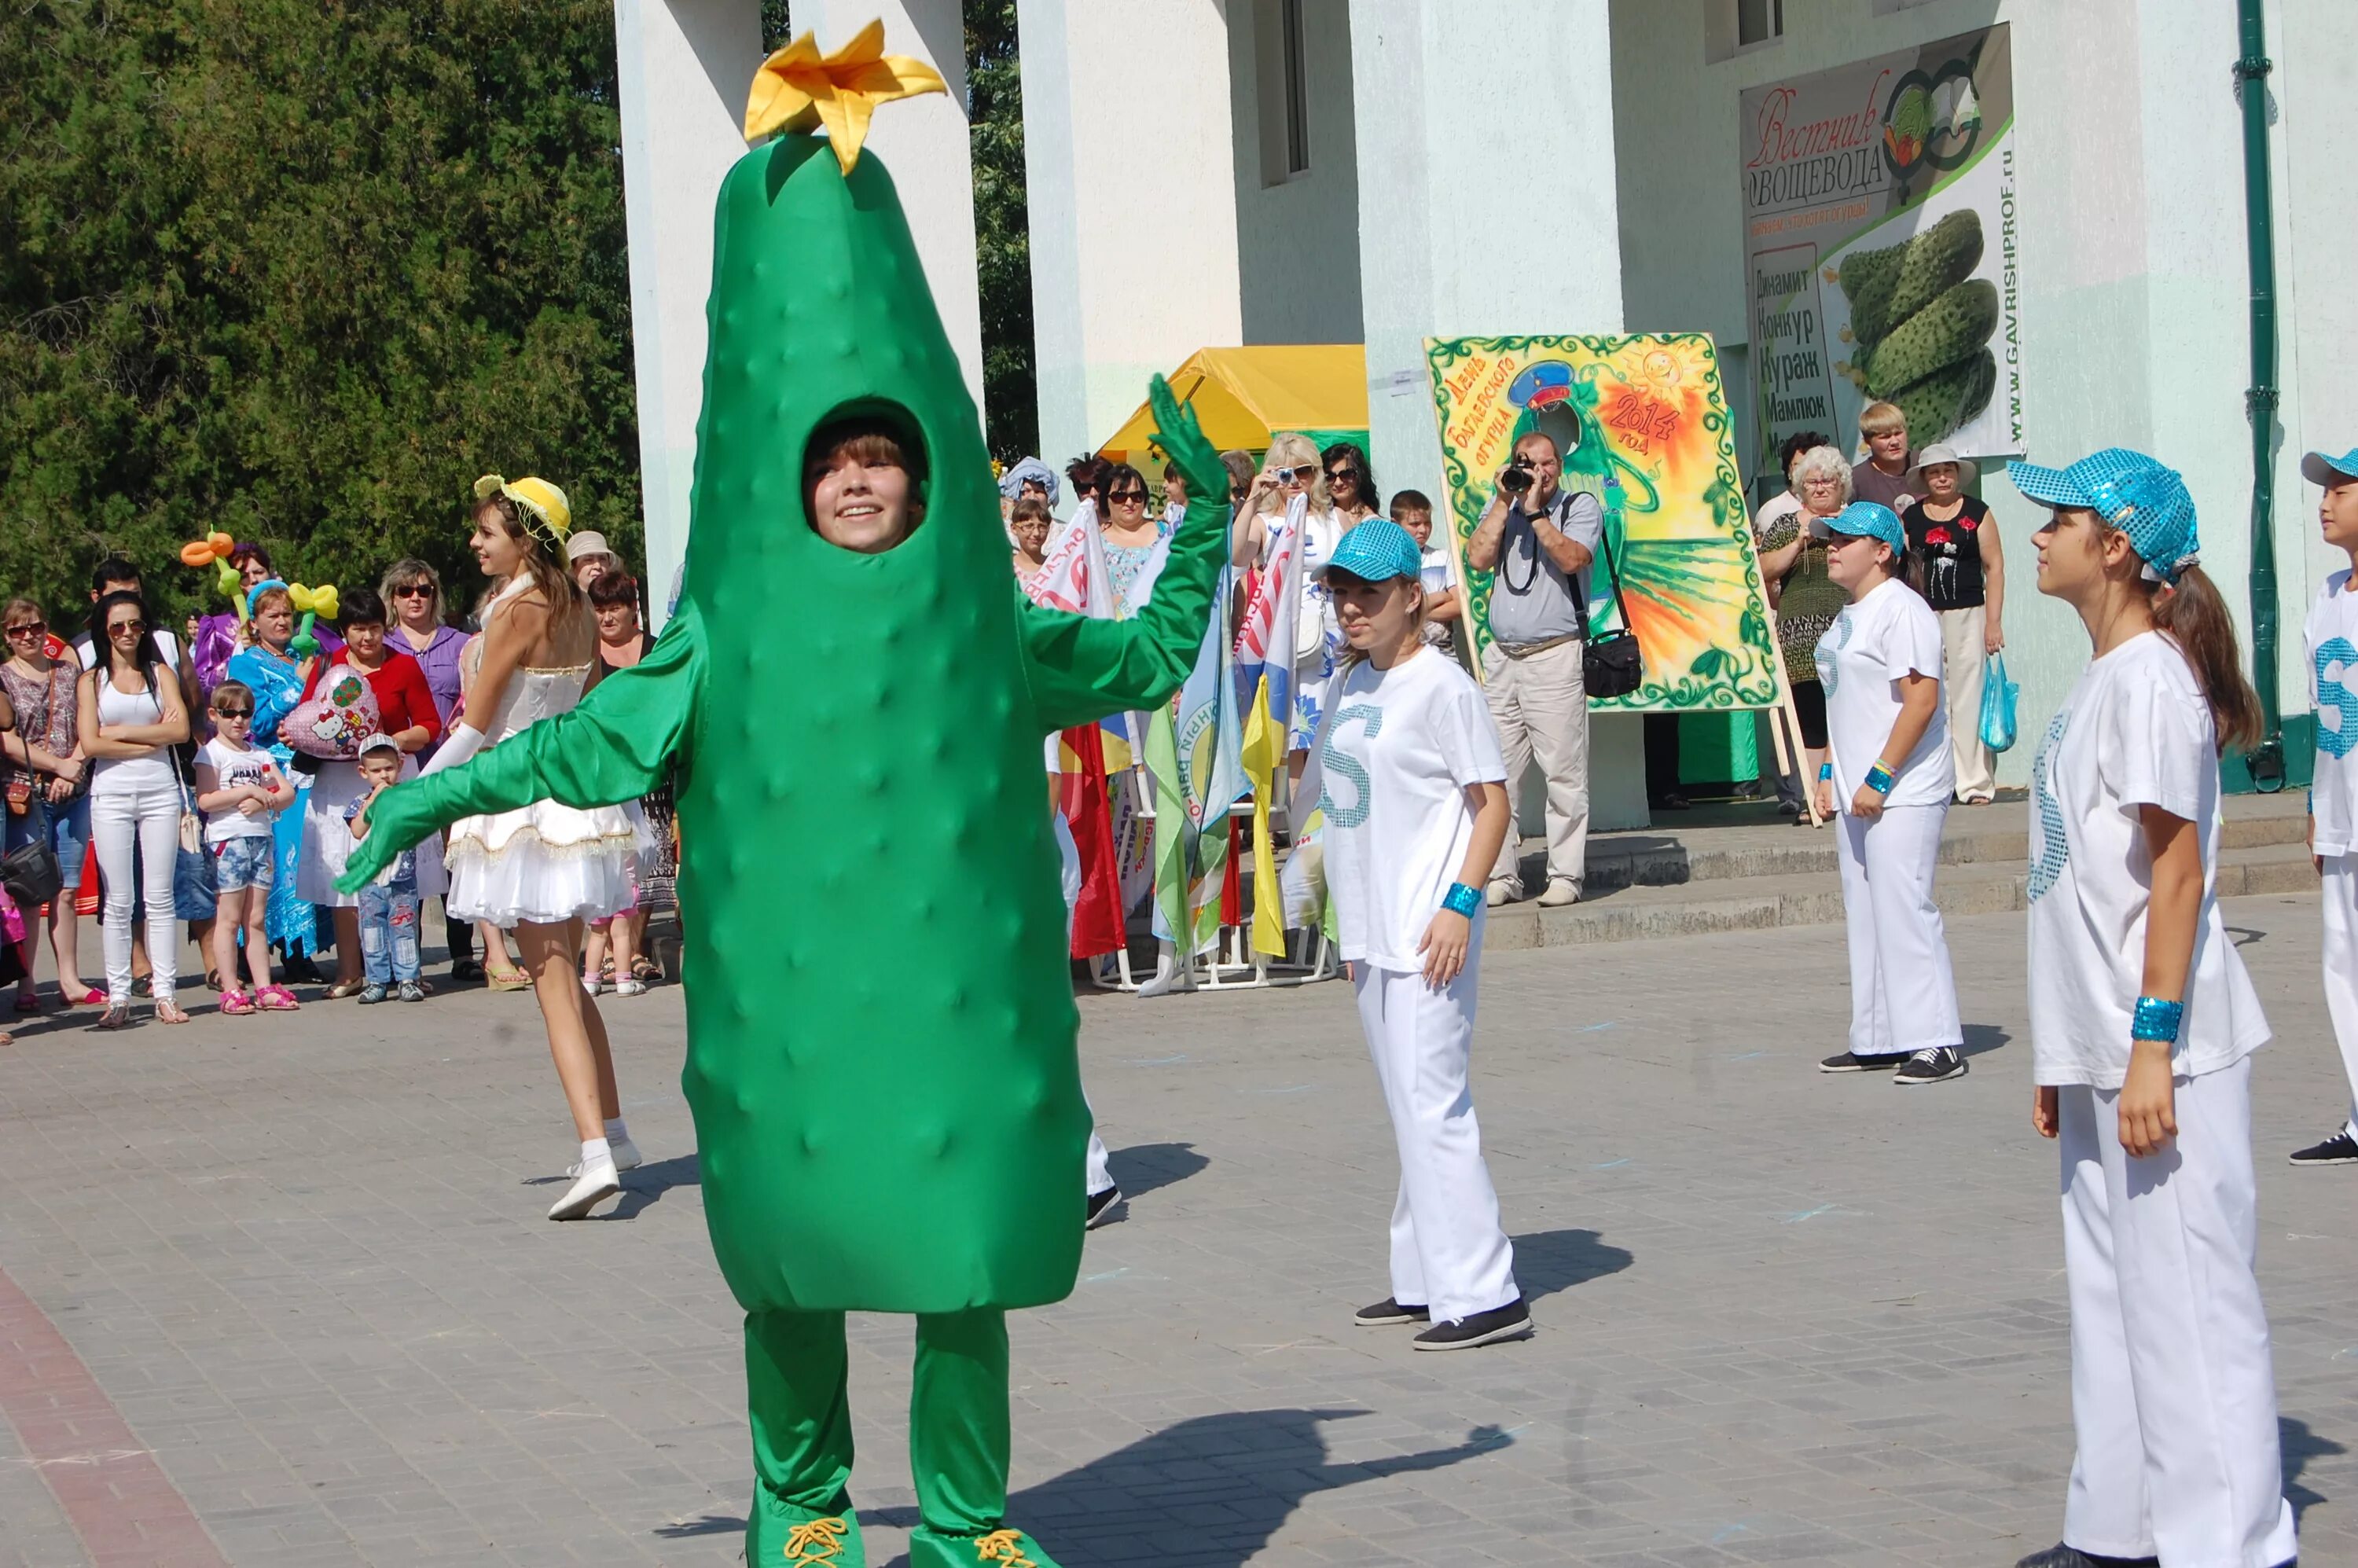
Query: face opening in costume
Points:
[865, 480]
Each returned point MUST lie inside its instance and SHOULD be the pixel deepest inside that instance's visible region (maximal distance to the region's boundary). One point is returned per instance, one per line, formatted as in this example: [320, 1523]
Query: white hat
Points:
[588, 542]
[1940, 452]
[380, 741]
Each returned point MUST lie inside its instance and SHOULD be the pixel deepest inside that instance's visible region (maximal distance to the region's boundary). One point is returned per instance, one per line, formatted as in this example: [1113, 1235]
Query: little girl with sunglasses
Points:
[241, 790]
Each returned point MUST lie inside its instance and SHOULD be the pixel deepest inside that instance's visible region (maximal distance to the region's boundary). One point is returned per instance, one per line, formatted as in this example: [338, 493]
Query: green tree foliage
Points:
[1002, 233]
[298, 270]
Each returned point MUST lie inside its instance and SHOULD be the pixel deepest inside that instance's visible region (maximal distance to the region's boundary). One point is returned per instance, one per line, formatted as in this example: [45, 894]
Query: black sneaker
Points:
[2062, 1556]
[1389, 1310]
[1513, 1320]
[1101, 1208]
[1847, 1062]
[1936, 1066]
[2338, 1150]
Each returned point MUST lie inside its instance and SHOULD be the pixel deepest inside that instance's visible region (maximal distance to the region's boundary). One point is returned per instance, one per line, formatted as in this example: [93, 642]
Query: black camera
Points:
[1517, 478]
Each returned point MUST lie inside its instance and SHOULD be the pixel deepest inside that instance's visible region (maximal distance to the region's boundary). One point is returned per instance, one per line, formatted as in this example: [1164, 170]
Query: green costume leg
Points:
[796, 1387]
[959, 1445]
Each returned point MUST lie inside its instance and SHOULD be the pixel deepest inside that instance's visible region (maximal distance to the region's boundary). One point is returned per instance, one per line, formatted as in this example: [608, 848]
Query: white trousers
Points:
[146, 817]
[2341, 896]
[1100, 1163]
[1963, 647]
[1541, 706]
[1903, 995]
[1447, 1250]
[2173, 1400]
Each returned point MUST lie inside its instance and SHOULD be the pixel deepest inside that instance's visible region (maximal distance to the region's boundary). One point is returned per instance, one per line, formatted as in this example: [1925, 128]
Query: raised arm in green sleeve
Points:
[1082, 669]
[611, 749]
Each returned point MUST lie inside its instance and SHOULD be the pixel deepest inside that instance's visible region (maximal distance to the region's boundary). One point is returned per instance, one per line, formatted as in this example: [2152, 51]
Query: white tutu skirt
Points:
[544, 864]
[327, 839]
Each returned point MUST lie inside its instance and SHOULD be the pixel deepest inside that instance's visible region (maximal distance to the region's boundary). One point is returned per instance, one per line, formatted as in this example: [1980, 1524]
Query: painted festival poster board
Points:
[1643, 425]
[1880, 243]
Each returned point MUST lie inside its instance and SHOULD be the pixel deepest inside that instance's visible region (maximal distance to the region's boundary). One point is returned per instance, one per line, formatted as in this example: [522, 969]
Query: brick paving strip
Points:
[117, 1497]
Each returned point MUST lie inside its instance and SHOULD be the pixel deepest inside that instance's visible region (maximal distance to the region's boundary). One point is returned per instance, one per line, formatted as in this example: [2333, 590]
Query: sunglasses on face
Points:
[116, 629]
[1336, 476]
[1126, 495]
[1302, 475]
[232, 713]
[414, 590]
[27, 629]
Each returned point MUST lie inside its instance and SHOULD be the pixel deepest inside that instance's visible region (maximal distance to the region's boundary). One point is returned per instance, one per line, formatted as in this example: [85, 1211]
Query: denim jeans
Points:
[389, 930]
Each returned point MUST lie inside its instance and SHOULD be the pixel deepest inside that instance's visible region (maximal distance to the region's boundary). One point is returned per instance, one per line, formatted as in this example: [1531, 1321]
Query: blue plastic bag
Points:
[1998, 697]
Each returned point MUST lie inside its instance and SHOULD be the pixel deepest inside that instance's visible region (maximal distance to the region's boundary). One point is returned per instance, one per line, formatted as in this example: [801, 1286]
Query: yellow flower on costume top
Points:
[797, 88]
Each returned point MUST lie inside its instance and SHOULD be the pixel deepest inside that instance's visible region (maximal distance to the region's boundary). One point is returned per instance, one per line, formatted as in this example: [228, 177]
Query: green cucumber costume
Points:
[858, 741]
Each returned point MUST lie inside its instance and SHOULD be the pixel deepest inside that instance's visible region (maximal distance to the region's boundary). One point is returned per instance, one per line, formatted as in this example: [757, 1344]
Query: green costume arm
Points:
[1082, 669]
[611, 749]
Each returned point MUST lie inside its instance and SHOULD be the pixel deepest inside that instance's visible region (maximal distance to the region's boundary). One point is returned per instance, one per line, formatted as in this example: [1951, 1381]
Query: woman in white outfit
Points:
[543, 870]
[2142, 1024]
[1409, 776]
[1290, 491]
[132, 715]
[1889, 772]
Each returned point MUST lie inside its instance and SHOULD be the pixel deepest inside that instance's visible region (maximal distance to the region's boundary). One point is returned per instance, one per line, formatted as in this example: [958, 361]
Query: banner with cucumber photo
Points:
[1880, 247]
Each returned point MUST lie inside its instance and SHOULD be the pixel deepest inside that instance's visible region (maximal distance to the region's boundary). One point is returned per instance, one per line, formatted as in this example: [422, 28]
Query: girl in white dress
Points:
[542, 871]
[2142, 1025]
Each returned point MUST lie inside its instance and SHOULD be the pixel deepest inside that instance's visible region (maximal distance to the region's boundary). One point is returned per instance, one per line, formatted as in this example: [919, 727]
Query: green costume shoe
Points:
[998, 1549]
[831, 1540]
[872, 1138]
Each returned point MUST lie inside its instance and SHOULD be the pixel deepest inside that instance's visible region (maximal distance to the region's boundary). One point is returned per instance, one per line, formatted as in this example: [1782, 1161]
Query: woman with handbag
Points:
[48, 781]
[131, 717]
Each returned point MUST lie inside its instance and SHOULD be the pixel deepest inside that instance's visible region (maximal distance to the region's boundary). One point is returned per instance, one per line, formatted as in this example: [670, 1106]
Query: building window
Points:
[1759, 21]
[1297, 93]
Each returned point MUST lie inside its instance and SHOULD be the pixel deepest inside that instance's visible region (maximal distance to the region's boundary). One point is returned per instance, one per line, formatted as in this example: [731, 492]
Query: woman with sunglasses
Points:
[47, 778]
[1131, 538]
[1350, 482]
[413, 592]
[1292, 493]
[131, 714]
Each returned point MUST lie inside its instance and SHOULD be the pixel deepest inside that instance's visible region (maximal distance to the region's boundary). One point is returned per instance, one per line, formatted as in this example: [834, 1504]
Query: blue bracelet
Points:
[1462, 899]
[1878, 779]
[1825, 771]
[2157, 1020]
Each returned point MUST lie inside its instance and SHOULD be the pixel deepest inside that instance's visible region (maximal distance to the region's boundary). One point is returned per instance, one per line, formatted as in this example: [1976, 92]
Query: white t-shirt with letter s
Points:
[1887, 635]
[2135, 731]
[2331, 634]
[1395, 754]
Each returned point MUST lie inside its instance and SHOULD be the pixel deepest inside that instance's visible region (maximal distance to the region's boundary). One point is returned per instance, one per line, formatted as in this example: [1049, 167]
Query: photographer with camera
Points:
[1539, 541]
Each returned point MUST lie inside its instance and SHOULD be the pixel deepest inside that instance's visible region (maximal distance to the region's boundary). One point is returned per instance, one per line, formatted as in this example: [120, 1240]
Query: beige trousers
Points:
[1541, 706]
[1962, 654]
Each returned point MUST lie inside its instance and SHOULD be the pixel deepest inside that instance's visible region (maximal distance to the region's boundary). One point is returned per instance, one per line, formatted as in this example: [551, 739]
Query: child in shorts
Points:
[388, 905]
[240, 790]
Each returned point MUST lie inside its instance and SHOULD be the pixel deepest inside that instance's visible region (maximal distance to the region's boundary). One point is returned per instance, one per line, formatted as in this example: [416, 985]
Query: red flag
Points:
[1081, 797]
[1232, 892]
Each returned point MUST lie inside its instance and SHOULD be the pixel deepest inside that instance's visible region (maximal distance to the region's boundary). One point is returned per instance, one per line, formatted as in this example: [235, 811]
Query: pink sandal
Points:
[276, 999]
[236, 1004]
[91, 997]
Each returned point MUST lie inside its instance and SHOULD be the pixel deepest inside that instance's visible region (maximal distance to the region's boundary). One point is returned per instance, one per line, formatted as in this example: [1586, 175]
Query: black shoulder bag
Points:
[1611, 664]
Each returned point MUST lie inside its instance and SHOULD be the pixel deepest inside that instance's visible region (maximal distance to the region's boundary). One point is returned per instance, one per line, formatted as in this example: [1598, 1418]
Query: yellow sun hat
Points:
[550, 513]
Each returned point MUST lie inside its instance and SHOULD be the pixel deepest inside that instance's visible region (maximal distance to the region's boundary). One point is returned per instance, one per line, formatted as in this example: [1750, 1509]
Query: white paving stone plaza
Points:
[1783, 1317]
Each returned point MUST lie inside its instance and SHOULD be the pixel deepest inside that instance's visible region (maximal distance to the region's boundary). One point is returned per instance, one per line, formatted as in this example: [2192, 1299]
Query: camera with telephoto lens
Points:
[1517, 478]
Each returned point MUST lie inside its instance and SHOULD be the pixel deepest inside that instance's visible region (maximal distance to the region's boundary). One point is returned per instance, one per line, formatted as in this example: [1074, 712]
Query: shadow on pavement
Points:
[648, 1184]
[2298, 1447]
[1245, 1472]
[1547, 1261]
[1143, 1167]
[1982, 1038]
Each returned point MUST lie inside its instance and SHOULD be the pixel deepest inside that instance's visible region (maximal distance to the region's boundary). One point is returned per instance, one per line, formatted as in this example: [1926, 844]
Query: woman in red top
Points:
[406, 712]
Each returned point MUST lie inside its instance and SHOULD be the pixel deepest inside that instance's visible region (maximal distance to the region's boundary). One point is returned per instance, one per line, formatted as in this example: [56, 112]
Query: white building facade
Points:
[1215, 172]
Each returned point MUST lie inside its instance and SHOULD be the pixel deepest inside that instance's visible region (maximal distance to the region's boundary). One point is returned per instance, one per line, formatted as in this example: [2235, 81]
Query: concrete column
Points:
[1129, 165]
[924, 141]
[684, 67]
[1488, 204]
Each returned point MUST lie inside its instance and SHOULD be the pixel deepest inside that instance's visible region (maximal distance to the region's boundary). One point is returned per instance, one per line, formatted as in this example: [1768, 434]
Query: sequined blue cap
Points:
[2139, 495]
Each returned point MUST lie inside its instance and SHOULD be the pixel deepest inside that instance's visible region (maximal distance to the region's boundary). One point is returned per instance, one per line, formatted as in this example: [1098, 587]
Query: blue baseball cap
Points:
[2326, 472]
[2139, 495]
[1870, 519]
[1376, 551]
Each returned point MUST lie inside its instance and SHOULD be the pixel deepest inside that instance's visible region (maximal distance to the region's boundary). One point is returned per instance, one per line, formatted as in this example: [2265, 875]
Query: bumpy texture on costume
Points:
[858, 738]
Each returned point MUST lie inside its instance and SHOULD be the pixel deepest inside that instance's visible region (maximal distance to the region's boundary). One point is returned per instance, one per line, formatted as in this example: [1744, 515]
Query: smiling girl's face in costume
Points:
[859, 492]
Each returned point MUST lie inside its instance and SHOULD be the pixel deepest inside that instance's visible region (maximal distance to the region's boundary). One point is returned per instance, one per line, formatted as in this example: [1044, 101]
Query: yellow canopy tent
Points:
[1242, 395]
